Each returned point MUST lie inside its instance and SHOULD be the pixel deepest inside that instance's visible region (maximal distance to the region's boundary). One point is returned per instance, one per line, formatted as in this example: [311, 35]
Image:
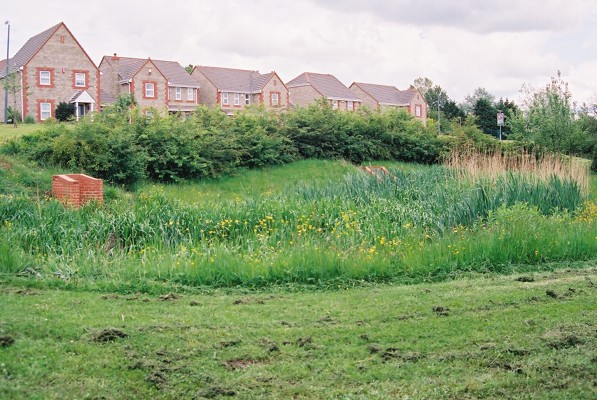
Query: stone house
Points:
[381, 97]
[156, 84]
[234, 89]
[52, 67]
[309, 86]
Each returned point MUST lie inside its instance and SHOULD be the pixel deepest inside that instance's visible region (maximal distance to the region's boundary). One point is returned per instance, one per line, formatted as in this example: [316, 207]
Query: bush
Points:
[64, 111]
[29, 119]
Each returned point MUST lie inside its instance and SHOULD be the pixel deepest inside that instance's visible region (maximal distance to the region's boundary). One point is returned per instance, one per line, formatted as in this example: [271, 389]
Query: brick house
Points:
[234, 89]
[155, 84]
[53, 67]
[380, 97]
[309, 86]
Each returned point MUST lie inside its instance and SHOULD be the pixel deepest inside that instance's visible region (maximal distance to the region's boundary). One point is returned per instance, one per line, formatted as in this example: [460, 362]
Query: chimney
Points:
[115, 57]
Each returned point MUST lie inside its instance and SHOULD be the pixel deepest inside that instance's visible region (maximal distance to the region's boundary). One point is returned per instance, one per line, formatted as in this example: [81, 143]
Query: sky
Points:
[460, 45]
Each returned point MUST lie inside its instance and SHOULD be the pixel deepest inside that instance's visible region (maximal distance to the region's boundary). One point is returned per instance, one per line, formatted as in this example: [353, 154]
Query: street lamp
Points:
[6, 77]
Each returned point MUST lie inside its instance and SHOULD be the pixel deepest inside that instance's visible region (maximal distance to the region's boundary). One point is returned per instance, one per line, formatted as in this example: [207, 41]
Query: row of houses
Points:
[53, 67]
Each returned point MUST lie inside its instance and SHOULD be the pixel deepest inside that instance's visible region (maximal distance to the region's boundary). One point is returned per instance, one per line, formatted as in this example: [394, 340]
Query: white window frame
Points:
[190, 94]
[275, 99]
[237, 99]
[350, 105]
[178, 94]
[149, 85]
[418, 111]
[45, 111]
[247, 99]
[335, 104]
[83, 80]
[225, 98]
[45, 80]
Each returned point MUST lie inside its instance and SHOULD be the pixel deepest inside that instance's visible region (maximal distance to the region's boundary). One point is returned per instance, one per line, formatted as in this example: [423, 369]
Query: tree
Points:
[486, 116]
[423, 85]
[548, 120]
[189, 68]
[452, 111]
[12, 83]
[470, 100]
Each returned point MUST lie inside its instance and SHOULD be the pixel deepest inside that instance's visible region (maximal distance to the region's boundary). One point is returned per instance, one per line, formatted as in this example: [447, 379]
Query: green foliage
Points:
[65, 111]
[486, 116]
[29, 119]
[549, 121]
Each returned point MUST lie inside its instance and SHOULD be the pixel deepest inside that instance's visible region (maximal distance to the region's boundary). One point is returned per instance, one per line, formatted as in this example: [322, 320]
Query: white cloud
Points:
[460, 45]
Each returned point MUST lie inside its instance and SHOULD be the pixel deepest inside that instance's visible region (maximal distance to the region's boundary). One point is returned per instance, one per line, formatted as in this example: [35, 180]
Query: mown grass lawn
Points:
[8, 131]
[496, 337]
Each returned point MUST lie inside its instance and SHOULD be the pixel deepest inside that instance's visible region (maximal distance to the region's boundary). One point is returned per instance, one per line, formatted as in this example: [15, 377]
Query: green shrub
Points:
[29, 119]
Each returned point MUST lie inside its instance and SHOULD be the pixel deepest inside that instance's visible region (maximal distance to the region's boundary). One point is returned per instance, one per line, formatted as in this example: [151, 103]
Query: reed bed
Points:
[424, 224]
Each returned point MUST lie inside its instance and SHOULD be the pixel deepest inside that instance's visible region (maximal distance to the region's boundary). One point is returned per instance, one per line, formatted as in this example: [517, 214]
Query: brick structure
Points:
[309, 86]
[53, 67]
[234, 89]
[383, 97]
[76, 189]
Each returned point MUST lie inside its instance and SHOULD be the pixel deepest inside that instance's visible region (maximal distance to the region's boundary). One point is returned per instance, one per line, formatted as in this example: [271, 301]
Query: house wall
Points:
[419, 100]
[109, 77]
[149, 73]
[62, 56]
[275, 85]
[302, 96]
[183, 104]
[368, 101]
[208, 94]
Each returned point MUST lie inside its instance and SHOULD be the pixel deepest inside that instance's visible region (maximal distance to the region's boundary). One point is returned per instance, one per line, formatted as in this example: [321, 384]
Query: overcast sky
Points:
[458, 44]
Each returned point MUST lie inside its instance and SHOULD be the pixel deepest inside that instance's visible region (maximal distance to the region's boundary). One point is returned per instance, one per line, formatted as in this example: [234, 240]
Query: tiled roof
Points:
[235, 80]
[107, 97]
[173, 71]
[29, 49]
[388, 95]
[326, 84]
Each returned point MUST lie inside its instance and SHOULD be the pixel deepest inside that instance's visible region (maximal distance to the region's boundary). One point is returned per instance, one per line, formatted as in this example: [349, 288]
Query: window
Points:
[237, 99]
[190, 95]
[335, 104]
[349, 105]
[45, 111]
[417, 110]
[149, 90]
[275, 99]
[225, 98]
[80, 80]
[247, 99]
[178, 93]
[45, 78]
[149, 114]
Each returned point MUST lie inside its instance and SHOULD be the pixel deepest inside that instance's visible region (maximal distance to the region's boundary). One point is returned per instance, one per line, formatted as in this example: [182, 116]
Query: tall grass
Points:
[416, 225]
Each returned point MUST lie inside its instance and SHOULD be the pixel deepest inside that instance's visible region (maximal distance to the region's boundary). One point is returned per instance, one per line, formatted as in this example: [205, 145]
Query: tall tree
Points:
[423, 84]
[470, 100]
[486, 114]
[12, 83]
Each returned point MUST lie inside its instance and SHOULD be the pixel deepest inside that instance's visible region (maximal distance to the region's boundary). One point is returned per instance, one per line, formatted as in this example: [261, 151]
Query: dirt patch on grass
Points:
[441, 310]
[525, 279]
[109, 335]
[239, 363]
[6, 341]
[393, 353]
[216, 391]
[169, 297]
[5, 165]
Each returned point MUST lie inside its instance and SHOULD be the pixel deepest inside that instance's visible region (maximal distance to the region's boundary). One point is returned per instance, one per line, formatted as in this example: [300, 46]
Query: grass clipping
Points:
[476, 165]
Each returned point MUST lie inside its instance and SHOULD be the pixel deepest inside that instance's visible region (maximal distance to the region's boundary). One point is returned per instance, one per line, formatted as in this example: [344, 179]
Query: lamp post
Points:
[6, 77]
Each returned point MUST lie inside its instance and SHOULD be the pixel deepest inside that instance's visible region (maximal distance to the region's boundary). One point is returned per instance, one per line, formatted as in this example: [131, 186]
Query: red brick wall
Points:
[77, 189]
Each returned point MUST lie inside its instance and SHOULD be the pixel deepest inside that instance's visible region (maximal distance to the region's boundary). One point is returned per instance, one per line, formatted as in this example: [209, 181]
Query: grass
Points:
[8, 131]
[252, 184]
[492, 337]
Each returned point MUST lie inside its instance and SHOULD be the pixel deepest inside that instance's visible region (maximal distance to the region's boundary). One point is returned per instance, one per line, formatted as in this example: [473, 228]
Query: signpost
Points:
[500, 121]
